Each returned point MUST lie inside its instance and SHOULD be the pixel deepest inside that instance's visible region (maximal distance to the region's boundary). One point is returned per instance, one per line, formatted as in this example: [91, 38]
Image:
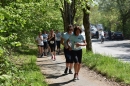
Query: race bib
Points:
[51, 42]
[75, 47]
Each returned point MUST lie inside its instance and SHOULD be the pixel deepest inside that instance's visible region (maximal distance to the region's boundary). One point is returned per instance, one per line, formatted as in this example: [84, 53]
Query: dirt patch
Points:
[54, 73]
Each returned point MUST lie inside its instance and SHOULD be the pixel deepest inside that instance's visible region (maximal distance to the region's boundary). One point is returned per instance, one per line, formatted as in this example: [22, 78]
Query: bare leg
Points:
[38, 49]
[71, 65]
[78, 69]
[54, 55]
[67, 65]
[41, 49]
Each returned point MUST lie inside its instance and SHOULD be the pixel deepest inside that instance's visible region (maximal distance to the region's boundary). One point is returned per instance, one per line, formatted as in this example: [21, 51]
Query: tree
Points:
[68, 11]
[122, 13]
[86, 24]
[124, 9]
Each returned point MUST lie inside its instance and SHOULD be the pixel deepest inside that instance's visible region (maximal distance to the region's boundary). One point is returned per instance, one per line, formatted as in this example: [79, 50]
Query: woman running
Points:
[77, 40]
[52, 44]
[39, 40]
[65, 37]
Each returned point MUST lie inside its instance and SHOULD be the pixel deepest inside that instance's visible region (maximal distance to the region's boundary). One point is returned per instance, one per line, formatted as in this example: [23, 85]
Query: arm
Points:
[81, 44]
[52, 36]
[62, 41]
[41, 38]
[68, 44]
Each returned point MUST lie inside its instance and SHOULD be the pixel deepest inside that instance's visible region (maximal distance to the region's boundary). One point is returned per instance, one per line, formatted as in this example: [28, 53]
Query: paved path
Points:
[118, 49]
[53, 71]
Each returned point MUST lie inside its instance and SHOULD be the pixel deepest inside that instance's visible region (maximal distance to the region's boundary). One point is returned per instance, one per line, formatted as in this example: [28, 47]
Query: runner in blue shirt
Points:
[45, 37]
[65, 37]
[75, 42]
[58, 39]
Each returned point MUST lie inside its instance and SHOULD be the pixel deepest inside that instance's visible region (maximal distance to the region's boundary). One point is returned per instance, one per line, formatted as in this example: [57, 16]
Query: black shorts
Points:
[52, 46]
[58, 44]
[76, 56]
[48, 43]
[40, 45]
[45, 45]
[68, 56]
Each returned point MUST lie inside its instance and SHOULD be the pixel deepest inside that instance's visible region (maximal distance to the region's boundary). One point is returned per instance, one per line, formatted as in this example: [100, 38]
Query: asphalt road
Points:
[117, 48]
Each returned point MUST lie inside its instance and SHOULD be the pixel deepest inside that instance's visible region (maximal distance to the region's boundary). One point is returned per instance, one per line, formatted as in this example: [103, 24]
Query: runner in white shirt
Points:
[39, 40]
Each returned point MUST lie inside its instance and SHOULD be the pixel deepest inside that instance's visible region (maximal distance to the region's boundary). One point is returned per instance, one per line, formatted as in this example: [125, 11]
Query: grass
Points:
[28, 73]
[108, 66]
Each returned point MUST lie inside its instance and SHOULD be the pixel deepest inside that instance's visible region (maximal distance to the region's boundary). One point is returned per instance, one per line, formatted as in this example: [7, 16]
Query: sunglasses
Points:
[70, 29]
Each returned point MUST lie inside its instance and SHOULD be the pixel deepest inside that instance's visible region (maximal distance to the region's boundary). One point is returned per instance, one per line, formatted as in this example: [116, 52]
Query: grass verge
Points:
[28, 73]
[108, 66]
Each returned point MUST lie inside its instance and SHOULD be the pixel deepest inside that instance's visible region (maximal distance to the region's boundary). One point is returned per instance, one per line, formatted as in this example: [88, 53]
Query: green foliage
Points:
[20, 22]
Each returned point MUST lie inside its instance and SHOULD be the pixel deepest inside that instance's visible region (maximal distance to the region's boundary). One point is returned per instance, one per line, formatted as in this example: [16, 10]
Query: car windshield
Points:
[118, 32]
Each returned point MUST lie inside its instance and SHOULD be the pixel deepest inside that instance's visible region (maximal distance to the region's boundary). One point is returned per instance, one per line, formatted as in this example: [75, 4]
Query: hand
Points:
[66, 47]
[77, 44]
[70, 48]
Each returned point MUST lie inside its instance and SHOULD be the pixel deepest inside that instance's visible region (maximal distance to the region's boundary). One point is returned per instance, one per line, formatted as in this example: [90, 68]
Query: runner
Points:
[52, 44]
[69, 61]
[58, 39]
[45, 37]
[77, 40]
[39, 41]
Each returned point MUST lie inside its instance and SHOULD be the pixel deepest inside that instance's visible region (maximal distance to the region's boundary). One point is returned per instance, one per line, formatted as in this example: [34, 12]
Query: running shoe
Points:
[66, 70]
[70, 72]
[54, 58]
[75, 77]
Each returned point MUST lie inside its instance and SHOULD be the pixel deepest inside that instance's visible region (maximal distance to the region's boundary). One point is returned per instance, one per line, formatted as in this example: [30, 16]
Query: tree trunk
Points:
[68, 13]
[3, 3]
[123, 26]
[86, 24]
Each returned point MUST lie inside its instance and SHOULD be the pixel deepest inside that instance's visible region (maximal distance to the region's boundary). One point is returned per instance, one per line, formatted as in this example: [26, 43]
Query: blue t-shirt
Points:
[66, 36]
[76, 39]
[45, 36]
[58, 36]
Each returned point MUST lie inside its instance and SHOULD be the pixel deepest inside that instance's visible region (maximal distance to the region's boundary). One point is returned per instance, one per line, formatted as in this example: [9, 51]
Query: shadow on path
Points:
[62, 83]
[55, 76]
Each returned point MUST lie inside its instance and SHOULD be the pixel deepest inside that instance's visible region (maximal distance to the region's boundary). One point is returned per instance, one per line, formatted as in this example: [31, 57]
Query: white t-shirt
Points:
[40, 40]
[101, 33]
